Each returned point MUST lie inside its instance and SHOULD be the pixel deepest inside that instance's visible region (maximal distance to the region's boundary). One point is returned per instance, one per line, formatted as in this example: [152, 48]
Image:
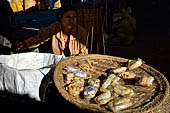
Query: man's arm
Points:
[44, 35]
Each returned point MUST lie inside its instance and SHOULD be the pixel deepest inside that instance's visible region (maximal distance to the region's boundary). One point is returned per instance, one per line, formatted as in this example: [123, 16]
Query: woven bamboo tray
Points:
[165, 106]
[151, 101]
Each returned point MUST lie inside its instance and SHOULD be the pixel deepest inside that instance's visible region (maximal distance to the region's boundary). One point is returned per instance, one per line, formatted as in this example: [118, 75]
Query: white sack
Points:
[22, 73]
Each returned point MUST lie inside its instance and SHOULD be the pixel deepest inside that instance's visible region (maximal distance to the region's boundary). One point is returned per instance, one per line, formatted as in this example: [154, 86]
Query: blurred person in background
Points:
[51, 4]
[7, 20]
[7, 26]
[123, 29]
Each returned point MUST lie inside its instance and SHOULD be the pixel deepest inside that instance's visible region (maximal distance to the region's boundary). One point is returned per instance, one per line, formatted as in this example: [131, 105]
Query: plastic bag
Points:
[22, 73]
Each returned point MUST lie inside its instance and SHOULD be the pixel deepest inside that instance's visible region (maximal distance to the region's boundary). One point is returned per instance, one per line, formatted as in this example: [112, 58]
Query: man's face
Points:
[69, 19]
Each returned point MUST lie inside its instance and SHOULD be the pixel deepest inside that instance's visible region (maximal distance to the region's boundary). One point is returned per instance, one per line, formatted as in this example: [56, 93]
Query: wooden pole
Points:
[91, 47]
[24, 5]
[106, 15]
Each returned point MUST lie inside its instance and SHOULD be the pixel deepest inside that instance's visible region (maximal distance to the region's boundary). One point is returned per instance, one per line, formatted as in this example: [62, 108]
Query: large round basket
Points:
[100, 63]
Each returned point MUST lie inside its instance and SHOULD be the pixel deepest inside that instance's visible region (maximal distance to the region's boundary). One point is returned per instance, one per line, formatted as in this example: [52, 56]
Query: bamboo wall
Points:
[90, 18]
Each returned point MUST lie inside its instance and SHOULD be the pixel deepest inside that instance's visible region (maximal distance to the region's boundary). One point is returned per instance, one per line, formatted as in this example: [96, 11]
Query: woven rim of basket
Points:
[165, 107]
[154, 104]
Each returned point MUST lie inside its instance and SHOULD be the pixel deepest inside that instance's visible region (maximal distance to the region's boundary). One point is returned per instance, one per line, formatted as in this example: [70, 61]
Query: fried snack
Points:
[84, 65]
[75, 89]
[135, 64]
[69, 78]
[119, 70]
[123, 91]
[127, 75]
[95, 82]
[78, 80]
[75, 84]
[146, 80]
[119, 104]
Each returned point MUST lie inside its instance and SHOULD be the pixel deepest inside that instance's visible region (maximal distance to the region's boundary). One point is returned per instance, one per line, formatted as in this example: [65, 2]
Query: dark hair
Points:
[62, 10]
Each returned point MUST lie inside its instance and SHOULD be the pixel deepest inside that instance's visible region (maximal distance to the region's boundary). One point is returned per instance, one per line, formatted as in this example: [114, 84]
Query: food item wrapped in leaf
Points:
[108, 81]
[146, 80]
[119, 104]
[103, 96]
[135, 64]
[115, 81]
[120, 70]
[122, 90]
[127, 75]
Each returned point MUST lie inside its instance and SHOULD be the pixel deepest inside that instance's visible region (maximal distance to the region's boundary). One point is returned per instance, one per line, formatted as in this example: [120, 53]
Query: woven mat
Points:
[166, 106]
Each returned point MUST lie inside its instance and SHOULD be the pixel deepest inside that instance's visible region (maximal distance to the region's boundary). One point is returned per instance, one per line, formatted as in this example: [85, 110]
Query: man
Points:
[67, 38]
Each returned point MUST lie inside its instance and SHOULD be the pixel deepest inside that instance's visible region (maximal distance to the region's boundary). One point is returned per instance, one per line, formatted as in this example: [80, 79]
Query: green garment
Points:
[123, 28]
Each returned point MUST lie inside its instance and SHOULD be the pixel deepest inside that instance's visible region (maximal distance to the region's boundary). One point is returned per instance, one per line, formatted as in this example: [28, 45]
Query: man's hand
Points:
[19, 44]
